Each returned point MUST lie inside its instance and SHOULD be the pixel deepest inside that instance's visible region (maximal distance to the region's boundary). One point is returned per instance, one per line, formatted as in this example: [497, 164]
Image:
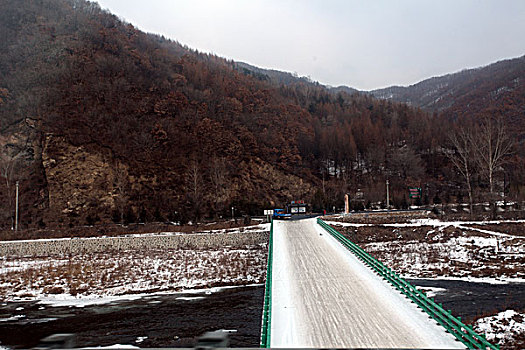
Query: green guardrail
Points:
[452, 324]
[267, 308]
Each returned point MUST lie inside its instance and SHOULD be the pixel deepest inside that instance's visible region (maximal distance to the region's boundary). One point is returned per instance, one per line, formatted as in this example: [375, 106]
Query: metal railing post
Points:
[267, 308]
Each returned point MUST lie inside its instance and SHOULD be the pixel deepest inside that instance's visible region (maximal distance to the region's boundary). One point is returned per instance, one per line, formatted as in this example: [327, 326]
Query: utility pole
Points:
[387, 197]
[16, 208]
[504, 187]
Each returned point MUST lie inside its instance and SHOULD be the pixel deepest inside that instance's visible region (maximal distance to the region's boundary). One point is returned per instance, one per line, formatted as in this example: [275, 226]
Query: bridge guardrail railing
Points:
[452, 324]
[267, 308]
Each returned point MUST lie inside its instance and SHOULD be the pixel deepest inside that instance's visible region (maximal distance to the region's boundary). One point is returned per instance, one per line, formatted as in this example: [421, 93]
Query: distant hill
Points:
[482, 86]
[497, 90]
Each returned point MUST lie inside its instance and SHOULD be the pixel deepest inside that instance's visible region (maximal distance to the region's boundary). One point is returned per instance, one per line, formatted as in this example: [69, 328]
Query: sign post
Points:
[16, 210]
[387, 197]
[268, 213]
[414, 192]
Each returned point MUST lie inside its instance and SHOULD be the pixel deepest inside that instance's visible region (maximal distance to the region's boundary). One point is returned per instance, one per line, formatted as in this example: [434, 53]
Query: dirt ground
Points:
[445, 213]
[367, 234]
[515, 229]
[111, 230]
[393, 217]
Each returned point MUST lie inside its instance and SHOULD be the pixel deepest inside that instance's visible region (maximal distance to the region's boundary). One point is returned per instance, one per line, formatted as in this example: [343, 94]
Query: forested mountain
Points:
[284, 78]
[271, 75]
[101, 122]
[496, 88]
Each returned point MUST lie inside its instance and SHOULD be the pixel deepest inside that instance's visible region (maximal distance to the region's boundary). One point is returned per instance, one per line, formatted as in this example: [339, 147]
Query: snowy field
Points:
[100, 277]
[431, 248]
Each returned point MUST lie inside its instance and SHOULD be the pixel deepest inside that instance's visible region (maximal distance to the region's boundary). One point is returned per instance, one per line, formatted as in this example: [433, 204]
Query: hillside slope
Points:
[440, 93]
[496, 89]
[100, 122]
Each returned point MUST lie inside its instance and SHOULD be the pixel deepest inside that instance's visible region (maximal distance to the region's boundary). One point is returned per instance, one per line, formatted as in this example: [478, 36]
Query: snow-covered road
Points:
[323, 296]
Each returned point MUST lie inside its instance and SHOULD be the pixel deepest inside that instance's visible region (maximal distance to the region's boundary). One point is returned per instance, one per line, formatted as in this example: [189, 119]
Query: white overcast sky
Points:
[364, 44]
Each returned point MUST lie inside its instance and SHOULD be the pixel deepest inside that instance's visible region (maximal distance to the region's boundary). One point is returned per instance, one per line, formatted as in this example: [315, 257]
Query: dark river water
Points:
[169, 321]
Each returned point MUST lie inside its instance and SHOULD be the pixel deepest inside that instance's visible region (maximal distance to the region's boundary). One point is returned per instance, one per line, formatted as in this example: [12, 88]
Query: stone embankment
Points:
[66, 246]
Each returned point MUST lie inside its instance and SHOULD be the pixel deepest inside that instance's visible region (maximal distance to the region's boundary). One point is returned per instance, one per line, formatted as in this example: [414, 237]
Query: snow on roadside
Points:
[347, 224]
[439, 224]
[506, 327]
[17, 265]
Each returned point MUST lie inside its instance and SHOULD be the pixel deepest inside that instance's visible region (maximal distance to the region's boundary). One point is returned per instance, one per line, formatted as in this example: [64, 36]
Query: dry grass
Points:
[378, 233]
[427, 251]
[383, 217]
[131, 272]
[510, 228]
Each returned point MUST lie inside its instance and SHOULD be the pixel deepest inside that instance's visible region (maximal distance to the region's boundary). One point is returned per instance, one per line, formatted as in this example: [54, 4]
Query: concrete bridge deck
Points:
[323, 296]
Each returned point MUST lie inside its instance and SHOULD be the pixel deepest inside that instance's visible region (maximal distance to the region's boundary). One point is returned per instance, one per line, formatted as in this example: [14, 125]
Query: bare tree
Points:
[9, 164]
[463, 157]
[405, 163]
[120, 185]
[493, 145]
[194, 187]
[219, 180]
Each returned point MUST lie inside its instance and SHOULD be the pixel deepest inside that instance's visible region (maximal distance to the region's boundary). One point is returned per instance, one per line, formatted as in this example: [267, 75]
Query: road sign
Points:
[414, 192]
[268, 212]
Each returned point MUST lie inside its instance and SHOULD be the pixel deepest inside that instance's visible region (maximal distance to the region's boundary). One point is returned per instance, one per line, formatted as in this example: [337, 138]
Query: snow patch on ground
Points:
[347, 224]
[140, 339]
[89, 300]
[98, 278]
[432, 291]
[438, 224]
[190, 298]
[505, 327]
[460, 253]
[12, 318]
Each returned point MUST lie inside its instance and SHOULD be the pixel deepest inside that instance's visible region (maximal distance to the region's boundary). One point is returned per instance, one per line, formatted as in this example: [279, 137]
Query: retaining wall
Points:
[65, 246]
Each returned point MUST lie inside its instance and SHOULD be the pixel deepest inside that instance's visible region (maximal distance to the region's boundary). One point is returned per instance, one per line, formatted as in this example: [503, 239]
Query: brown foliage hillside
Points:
[104, 122]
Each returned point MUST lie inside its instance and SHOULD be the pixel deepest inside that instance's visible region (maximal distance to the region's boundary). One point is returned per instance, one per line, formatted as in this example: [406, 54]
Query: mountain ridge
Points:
[433, 94]
[442, 94]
